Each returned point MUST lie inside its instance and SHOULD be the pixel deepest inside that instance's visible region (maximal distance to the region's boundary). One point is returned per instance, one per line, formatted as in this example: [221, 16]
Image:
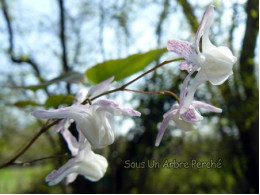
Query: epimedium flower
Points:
[85, 162]
[96, 121]
[214, 64]
[187, 121]
[83, 94]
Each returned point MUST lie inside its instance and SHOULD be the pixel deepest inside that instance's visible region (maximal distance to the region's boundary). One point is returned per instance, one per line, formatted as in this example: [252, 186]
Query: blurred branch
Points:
[21, 59]
[101, 29]
[163, 16]
[26, 163]
[189, 14]
[63, 40]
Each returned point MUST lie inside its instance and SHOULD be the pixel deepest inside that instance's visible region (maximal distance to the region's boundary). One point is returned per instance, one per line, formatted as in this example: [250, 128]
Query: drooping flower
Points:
[85, 162]
[213, 63]
[95, 121]
[187, 121]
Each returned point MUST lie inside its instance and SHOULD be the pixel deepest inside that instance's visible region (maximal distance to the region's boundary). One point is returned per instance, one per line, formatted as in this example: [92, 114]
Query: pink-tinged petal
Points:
[71, 112]
[199, 79]
[184, 87]
[72, 142]
[204, 26]
[115, 108]
[57, 175]
[100, 88]
[191, 115]
[182, 48]
[166, 119]
[198, 104]
[186, 66]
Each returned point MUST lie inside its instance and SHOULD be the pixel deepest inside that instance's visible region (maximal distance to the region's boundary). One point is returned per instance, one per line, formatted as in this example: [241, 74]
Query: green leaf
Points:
[69, 77]
[122, 68]
[55, 100]
[25, 103]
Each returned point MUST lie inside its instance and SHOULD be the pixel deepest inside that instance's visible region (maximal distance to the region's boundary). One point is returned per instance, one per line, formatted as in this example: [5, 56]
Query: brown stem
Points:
[40, 159]
[137, 78]
[27, 146]
[155, 92]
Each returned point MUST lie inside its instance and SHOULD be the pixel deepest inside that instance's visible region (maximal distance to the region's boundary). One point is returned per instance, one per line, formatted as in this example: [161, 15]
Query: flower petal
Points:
[191, 115]
[184, 125]
[198, 104]
[183, 49]
[199, 79]
[81, 95]
[115, 108]
[72, 142]
[100, 88]
[204, 26]
[184, 87]
[57, 175]
[186, 66]
[92, 166]
[166, 119]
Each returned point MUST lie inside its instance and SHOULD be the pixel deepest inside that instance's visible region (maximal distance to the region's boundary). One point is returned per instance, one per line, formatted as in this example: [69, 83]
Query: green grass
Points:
[23, 179]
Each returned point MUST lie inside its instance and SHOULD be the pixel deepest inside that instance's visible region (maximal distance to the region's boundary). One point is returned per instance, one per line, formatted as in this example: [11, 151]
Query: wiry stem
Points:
[155, 92]
[137, 78]
[40, 159]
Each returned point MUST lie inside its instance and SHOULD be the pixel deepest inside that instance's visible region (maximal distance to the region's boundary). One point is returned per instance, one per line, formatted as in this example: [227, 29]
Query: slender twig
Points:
[155, 92]
[66, 67]
[137, 78]
[26, 163]
[14, 58]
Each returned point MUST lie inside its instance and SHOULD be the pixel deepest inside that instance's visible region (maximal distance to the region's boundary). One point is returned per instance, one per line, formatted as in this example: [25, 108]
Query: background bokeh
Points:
[42, 40]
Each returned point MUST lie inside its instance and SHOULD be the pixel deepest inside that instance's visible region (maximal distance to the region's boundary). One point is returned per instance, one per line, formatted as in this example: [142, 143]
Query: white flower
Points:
[95, 121]
[187, 121]
[85, 162]
[213, 63]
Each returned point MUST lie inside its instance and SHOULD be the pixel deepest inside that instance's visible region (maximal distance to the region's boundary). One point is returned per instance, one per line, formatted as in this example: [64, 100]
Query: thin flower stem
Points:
[154, 92]
[137, 78]
[40, 159]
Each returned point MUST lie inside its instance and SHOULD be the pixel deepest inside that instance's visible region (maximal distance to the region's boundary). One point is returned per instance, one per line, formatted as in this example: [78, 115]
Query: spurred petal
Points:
[204, 26]
[199, 79]
[198, 104]
[115, 108]
[57, 175]
[100, 88]
[184, 88]
[73, 144]
[166, 119]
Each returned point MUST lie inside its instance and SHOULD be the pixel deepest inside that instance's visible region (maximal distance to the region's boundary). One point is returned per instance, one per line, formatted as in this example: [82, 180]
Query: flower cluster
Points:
[95, 121]
[213, 64]
[95, 125]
